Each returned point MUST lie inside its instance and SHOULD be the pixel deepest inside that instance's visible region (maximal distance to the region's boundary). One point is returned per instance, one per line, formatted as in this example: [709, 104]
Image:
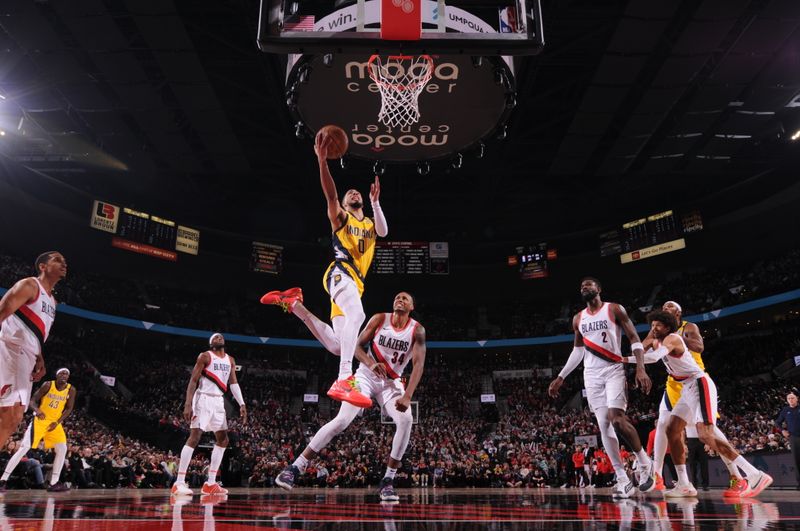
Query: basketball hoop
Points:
[400, 80]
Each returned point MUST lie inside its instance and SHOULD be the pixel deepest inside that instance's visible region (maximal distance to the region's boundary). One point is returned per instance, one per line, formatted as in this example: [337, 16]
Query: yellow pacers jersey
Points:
[353, 248]
[54, 402]
[52, 405]
[673, 386]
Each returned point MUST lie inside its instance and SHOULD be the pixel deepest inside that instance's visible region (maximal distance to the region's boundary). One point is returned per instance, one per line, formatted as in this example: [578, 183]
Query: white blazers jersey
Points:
[215, 376]
[683, 368]
[392, 346]
[602, 337]
[30, 325]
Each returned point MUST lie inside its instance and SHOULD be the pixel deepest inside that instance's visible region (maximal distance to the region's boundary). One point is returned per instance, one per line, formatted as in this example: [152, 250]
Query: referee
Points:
[791, 416]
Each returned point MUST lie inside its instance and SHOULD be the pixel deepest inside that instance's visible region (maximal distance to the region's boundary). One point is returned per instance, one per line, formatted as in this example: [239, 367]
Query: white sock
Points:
[301, 463]
[683, 477]
[660, 443]
[216, 461]
[744, 464]
[390, 473]
[641, 458]
[58, 463]
[732, 469]
[183, 464]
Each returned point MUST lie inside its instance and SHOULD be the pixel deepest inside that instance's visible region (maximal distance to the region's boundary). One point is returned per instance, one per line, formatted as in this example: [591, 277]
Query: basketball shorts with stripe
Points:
[698, 401]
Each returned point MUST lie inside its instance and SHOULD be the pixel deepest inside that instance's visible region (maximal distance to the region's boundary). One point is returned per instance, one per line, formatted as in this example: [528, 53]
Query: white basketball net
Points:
[400, 80]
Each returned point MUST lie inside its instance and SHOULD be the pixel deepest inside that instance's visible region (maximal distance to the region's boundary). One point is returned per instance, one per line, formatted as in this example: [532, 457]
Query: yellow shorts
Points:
[332, 277]
[38, 431]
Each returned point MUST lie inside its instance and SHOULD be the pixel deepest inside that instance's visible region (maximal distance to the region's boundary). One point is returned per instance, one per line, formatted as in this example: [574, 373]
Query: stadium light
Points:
[796, 135]
[2, 133]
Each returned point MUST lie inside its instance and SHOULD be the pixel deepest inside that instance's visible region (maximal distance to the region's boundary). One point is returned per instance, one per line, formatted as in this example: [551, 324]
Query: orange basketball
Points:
[339, 141]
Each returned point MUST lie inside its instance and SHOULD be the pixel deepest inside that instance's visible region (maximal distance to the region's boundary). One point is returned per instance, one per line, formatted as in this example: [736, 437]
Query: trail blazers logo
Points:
[105, 217]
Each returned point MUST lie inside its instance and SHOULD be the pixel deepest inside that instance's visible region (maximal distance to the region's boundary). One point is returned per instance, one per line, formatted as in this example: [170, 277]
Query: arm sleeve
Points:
[381, 228]
[575, 357]
[652, 356]
[236, 391]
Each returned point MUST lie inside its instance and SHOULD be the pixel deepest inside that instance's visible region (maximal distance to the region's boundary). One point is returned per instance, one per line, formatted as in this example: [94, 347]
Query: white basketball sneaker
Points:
[681, 490]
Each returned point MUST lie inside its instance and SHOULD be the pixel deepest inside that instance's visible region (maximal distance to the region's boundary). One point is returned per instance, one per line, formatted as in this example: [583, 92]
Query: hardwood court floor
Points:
[351, 509]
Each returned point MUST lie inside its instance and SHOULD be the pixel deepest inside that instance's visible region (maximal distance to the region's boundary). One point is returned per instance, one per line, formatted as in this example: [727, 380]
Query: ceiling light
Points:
[796, 135]
[2, 133]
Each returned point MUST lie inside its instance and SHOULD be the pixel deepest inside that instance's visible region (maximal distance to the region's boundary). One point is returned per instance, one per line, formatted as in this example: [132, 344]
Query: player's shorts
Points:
[698, 401]
[672, 394]
[382, 391]
[16, 367]
[335, 281]
[37, 431]
[606, 387]
[208, 412]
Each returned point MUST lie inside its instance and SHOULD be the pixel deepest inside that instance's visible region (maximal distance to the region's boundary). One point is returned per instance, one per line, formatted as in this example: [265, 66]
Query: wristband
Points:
[635, 346]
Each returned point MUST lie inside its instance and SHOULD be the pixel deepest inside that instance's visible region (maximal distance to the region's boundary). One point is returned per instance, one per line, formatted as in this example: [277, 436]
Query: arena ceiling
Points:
[634, 105]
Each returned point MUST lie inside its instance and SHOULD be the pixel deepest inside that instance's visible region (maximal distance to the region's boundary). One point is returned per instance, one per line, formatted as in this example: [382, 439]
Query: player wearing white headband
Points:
[213, 374]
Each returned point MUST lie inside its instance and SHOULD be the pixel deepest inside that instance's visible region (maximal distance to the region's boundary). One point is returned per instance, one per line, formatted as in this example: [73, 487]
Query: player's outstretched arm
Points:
[418, 352]
[202, 362]
[621, 316]
[236, 391]
[364, 339]
[575, 358]
[335, 212]
[381, 227]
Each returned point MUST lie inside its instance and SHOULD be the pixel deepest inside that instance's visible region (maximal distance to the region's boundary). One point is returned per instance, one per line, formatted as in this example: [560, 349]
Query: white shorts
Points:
[381, 390]
[606, 387]
[698, 402]
[16, 368]
[208, 412]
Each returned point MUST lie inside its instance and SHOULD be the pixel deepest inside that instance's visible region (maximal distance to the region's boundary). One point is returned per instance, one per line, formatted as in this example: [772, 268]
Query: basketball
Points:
[339, 141]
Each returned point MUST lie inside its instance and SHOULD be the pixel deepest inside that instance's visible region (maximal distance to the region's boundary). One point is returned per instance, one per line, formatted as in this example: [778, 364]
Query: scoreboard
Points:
[266, 258]
[532, 260]
[411, 258]
[144, 233]
[650, 236]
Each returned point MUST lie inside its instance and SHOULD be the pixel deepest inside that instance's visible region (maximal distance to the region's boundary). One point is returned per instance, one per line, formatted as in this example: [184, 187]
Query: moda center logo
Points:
[378, 137]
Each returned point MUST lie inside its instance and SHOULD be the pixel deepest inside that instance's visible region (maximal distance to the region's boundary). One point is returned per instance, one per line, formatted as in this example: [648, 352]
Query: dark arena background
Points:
[166, 149]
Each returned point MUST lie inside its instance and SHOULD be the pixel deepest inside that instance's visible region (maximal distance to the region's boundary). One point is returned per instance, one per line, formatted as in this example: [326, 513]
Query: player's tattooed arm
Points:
[621, 316]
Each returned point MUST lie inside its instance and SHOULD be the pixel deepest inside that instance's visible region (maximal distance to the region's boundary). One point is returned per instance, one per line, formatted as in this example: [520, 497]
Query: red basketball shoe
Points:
[284, 299]
[739, 488]
[348, 391]
[213, 488]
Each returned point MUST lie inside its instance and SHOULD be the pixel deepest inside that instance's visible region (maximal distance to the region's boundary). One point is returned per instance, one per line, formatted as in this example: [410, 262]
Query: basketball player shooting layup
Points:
[354, 237]
[27, 312]
[394, 339]
[598, 335]
[213, 374]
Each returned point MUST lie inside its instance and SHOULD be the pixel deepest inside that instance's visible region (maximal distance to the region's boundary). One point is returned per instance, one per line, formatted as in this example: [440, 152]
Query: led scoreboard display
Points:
[411, 258]
[266, 258]
[650, 236]
[532, 260]
[144, 233]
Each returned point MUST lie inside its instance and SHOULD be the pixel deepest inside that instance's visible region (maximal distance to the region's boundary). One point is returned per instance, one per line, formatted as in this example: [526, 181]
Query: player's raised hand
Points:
[321, 144]
[187, 412]
[243, 413]
[375, 190]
